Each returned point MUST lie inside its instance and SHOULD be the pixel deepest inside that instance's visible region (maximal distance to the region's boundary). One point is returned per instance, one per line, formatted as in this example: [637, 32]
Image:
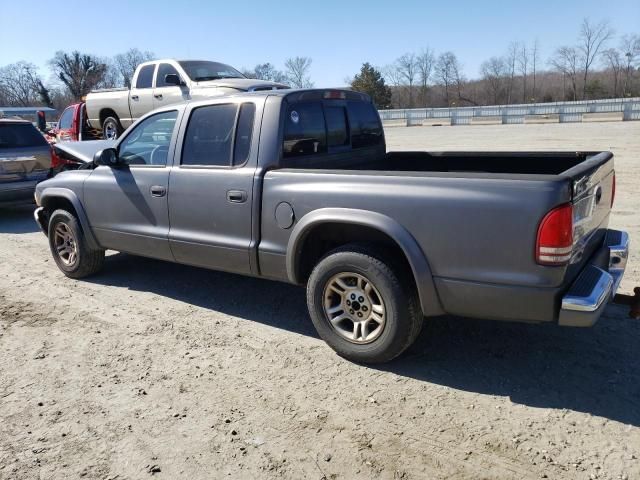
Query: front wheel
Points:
[361, 306]
[111, 129]
[69, 246]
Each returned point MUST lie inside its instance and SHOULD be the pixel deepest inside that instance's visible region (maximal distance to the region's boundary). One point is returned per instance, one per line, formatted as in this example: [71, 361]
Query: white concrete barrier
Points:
[488, 120]
[436, 122]
[395, 122]
[603, 117]
[550, 118]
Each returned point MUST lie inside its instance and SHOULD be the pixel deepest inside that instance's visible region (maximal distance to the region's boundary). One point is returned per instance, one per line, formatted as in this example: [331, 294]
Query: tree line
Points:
[598, 64]
[74, 74]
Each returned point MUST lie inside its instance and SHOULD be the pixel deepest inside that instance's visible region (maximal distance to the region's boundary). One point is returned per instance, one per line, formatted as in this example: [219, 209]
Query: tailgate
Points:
[24, 164]
[592, 184]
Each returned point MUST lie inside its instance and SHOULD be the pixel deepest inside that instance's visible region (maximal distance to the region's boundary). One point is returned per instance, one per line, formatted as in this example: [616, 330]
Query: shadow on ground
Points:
[595, 370]
[18, 219]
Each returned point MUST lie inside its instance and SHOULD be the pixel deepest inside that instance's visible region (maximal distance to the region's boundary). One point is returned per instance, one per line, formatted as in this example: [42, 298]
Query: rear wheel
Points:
[69, 246]
[111, 128]
[362, 306]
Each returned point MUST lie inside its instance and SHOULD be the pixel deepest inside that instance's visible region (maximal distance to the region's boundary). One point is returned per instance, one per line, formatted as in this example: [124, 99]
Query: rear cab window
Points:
[330, 126]
[20, 135]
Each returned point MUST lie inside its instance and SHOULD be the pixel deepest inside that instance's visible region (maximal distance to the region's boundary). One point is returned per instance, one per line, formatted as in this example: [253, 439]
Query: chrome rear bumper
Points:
[594, 288]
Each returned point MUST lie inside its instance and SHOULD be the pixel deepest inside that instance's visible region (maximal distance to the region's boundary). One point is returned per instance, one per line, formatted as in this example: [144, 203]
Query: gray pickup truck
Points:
[297, 186]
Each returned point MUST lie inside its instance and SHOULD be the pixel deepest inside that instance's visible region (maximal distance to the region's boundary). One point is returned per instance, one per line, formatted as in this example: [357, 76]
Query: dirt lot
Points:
[151, 369]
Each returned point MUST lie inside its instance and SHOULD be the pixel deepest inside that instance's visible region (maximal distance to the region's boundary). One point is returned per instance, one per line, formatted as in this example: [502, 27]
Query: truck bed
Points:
[509, 163]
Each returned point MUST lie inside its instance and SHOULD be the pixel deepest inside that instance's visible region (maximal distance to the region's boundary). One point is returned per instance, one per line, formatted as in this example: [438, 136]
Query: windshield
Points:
[198, 70]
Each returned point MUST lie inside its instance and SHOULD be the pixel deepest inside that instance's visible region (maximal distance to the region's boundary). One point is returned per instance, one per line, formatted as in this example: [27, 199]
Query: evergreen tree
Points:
[370, 81]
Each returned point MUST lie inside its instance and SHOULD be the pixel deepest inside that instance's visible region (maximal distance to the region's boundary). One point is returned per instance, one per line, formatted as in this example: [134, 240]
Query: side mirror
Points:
[173, 79]
[107, 157]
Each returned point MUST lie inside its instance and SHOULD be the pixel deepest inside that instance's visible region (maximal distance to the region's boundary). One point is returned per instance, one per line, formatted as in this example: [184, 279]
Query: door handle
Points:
[236, 196]
[134, 97]
[158, 191]
[158, 96]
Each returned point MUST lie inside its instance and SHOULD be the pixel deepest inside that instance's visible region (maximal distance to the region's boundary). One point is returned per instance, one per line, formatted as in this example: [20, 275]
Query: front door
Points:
[164, 93]
[210, 205]
[127, 205]
[141, 94]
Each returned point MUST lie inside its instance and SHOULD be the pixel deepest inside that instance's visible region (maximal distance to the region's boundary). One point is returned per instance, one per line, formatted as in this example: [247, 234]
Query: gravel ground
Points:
[153, 369]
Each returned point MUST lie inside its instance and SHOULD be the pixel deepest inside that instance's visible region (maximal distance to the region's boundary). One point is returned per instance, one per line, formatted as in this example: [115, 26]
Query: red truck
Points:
[73, 126]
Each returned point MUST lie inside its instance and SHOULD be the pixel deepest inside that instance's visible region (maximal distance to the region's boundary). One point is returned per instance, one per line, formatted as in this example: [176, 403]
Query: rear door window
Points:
[209, 136]
[242, 144]
[304, 130]
[145, 77]
[366, 129]
[20, 135]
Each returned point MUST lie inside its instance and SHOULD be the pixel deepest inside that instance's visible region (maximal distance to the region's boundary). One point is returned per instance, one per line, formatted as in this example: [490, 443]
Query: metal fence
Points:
[585, 110]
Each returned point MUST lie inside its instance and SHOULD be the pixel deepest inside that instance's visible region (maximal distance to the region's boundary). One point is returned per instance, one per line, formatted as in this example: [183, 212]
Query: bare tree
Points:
[523, 65]
[566, 61]
[424, 63]
[266, 71]
[630, 46]
[408, 70]
[127, 62]
[494, 72]
[511, 58]
[19, 84]
[297, 71]
[535, 57]
[593, 37]
[614, 62]
[445, 73]
[78, 71]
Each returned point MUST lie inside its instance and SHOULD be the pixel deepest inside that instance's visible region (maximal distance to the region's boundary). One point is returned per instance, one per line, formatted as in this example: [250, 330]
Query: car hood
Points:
[83, 151]
[245, 84]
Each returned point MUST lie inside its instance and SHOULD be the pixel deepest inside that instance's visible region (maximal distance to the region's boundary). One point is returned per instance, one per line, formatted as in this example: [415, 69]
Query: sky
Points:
[337, 35]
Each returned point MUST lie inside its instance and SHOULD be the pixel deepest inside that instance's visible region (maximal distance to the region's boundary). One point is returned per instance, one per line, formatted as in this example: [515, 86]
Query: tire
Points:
[111, 128]
[379, 337]
[69, 246]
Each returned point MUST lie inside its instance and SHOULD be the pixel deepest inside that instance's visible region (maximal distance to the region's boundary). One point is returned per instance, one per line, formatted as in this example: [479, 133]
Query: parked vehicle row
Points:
[297, 186]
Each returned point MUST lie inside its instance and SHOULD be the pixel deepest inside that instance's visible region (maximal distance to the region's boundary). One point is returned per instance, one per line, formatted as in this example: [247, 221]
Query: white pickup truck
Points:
[159, 83]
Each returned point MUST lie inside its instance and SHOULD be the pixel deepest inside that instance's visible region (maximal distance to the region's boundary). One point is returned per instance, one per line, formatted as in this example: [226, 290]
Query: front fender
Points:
[48, 196]
[429, 300]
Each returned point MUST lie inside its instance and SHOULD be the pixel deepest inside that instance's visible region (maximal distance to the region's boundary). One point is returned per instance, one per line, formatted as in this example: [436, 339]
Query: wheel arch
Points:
[54, 198]
[382, 226]
[108, 112]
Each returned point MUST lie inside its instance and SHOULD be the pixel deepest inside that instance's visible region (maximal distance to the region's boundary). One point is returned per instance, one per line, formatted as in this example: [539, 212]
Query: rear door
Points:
[141, 93]
[165, 94]
[210, 196]
[127, 205]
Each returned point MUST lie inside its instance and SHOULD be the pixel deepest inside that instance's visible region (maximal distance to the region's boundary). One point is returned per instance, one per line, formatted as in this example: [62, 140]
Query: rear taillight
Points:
[555, 237]
[56, 161]
[613, 189]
